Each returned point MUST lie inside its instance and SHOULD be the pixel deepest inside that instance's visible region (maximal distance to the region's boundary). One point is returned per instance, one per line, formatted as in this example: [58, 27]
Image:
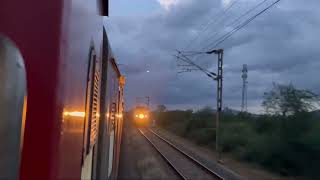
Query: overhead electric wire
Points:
[223, 38]
[191, 53]
[247, 12]
[217, 32]
[234, 22]
[229, 34]
[223, 12]
[189, 61]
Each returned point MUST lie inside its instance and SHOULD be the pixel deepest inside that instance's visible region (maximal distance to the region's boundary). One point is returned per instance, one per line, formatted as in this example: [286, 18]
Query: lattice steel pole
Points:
[219, 99]
[244, 88]
[219, 80]
[217, 77]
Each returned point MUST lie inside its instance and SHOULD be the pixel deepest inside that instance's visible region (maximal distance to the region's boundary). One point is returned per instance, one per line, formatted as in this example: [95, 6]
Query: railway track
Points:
[185, 166]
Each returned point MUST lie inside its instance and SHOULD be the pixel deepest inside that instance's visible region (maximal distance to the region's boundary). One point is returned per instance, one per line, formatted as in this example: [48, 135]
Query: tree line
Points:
[285, 139]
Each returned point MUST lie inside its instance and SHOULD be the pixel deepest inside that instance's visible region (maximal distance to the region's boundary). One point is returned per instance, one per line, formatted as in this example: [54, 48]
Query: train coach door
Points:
[112, 137]
[118, 128]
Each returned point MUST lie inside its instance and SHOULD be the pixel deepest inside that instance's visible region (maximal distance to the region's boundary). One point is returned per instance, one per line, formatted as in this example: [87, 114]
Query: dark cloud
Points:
[279, 46]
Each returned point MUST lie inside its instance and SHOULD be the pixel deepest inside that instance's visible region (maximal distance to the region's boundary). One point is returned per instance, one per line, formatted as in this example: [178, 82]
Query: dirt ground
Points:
[138, 159]
[245, 170]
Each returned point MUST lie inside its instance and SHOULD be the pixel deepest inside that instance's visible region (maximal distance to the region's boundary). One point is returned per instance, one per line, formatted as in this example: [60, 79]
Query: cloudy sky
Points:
[282, 45]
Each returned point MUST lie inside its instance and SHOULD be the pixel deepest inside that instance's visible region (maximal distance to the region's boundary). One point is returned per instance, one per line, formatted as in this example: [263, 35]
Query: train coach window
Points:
[12, 108]
[92, 103]
[91, 123]
[113, 115]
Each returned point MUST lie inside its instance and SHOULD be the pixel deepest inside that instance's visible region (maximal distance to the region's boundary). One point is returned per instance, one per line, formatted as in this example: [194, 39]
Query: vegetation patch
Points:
[286, 139]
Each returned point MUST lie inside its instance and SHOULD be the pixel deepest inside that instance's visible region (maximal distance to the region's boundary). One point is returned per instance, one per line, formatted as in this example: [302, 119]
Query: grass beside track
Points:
[289, 146]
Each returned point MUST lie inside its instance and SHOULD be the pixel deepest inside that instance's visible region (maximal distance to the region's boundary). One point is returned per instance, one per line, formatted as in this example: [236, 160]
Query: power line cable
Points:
[234, 22]
[191, 53]
[216, 32]
[205, 28]
[189, 61]
[247, 12]
[239, 27]
[228, 35]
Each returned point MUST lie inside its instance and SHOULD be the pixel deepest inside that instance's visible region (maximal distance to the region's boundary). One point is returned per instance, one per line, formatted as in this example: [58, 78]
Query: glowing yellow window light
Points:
[141, 116]
[74, 114]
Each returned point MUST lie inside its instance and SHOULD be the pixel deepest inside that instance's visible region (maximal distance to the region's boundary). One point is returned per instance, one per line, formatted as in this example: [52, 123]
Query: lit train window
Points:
[92, 103]
[94, 113]
[113, 115]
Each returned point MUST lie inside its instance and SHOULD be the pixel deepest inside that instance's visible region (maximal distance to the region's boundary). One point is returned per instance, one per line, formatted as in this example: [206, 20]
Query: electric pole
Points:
[244, 76]
[217, 77]
[219, 80]
[148, 101]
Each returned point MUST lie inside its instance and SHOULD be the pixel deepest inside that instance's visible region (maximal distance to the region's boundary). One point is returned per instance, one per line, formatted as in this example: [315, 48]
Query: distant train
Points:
[61, 92]
[142, 116]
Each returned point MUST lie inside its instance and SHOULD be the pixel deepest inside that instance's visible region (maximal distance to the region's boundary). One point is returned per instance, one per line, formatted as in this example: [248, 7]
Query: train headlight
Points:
[141, 116]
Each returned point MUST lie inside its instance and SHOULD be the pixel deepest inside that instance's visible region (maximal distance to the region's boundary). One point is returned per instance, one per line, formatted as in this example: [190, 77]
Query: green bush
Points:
[288, 145]
[202, 136]
[235, 135]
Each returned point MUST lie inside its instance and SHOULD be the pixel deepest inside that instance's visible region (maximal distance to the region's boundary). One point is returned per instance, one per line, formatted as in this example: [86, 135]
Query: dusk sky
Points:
[282, 46]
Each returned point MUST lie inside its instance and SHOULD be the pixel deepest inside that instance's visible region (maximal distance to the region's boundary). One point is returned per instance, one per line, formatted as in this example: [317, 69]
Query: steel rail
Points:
[188, 156]
[164, 157]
